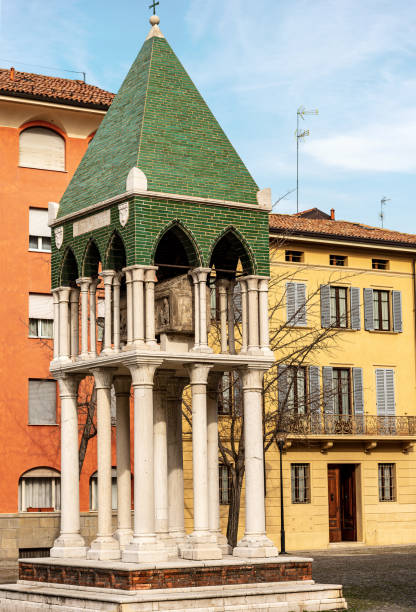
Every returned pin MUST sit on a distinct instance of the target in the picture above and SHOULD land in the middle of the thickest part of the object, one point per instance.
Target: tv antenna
(300, 136)
(383, 202)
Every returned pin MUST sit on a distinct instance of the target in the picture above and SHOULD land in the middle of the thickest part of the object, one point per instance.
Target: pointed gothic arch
(69, 269)
(91, 259)
(175, 251)
(115, 253)
(230, 248)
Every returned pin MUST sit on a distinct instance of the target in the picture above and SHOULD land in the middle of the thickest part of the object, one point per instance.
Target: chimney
(332, 214)
(12, 73)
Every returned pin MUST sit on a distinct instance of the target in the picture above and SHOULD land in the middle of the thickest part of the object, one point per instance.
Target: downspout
(414, 296)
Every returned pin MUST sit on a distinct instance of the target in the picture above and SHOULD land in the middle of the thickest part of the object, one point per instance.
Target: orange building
(46, 124)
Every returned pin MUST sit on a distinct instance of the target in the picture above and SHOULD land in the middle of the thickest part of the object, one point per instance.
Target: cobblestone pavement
(374, 579)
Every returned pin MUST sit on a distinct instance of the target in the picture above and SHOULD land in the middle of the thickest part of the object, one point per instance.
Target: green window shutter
(314, 389)
(357, 381)
(290, 303)
(396, 299)
(282, 386)
(355, 308)
(328, 390)
(368, 310)
(325, 306)
(301, 304)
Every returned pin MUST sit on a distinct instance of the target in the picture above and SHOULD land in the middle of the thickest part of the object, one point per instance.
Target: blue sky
(255, 63)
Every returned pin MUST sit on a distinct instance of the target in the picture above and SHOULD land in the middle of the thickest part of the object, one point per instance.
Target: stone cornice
(155, 194)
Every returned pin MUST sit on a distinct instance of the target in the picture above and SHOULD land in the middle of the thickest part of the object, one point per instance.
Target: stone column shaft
(116, 311)
(231, 317)
(201, 544)
(175, 460)
(222, 285)
(150, 280)
(264, 314)
(244, 316)
(69, 544)
(104, 547)
(84, 284)
(129, 297)
(64, 337)
(253, 314)
(74, 301)
(108, 276)
(124, 531)
(145, 546)
(93, 317)
(138, 305)
(56, 352)
(197, 341)
(254, 543)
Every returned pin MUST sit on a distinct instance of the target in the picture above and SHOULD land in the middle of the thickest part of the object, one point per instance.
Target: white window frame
(40, 248)
(39, 333)
(48, 474)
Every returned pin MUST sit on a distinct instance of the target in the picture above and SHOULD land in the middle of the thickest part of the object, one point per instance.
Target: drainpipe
(414, 293)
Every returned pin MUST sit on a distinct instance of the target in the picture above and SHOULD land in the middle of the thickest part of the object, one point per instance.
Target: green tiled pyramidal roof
(159, 123)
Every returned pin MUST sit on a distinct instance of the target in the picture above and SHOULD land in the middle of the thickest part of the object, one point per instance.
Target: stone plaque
(91, 223)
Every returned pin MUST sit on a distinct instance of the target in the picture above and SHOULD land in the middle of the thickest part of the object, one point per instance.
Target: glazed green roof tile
(160, 123)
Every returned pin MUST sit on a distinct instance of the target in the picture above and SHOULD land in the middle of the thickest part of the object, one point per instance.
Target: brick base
(166, 578)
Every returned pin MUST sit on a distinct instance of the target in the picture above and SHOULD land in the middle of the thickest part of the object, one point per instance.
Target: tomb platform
(71, 585)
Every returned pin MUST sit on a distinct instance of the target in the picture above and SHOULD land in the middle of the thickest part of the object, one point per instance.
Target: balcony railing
(335, 424)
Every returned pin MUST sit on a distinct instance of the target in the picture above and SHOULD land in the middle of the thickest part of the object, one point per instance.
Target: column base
(104, 549)
(69, 546)
(144, 550)
(123, 537)
(201, 548)
(169, 543)
(255, 547)
(201, 349)
(223, 543)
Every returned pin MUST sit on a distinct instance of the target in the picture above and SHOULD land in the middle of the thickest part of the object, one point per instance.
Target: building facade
(46, 124)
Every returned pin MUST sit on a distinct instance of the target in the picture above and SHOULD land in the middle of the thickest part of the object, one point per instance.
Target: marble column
(145, 546)
(214, 379)
(253, 315)
(74, 305)
(222, 284)
(264, 316)
(231, 316)
(138, 305)
(244, 316)
(70, 543)
(108, 276)
(84, 284)
(104, 547)
(160, 448)
(129, 300)
(197, 339)
(116, 311)
(200, 545)
(149, 282)
(64, 327)
(255, 543)
(93, 317)
(175, 461)
(124, 533)
(199, 277)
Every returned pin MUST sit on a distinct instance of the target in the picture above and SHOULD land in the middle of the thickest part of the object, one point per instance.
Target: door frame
(356, 488)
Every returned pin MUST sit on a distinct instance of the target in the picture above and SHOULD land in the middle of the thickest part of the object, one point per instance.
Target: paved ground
(374, 579)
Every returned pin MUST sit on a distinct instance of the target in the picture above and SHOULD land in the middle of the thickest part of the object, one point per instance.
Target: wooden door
(348, 509)
(334, 503)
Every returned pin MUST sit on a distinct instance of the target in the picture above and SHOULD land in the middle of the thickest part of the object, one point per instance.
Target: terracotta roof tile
(54, 89)
(344, 230)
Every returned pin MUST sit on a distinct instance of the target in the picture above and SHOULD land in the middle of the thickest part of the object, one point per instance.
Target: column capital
(117, 278)
(252, 377)
(122, 385)
(150, 274)
(264, 283)
(103, 377)
(68, 384)
(84, 282)
(199, 274)
(107, 276)
(198, 373)
(222, 284)
(142, 374)
(64, 293)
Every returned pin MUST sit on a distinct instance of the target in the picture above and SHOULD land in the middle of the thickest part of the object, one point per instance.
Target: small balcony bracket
(407, 447)
(326, 446)
(369, 447)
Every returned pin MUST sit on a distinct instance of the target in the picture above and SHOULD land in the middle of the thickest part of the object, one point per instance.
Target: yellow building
(349, 468)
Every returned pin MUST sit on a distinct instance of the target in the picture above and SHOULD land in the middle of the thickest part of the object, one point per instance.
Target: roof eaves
(55, 100)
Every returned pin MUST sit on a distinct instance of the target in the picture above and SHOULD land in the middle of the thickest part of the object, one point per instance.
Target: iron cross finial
(153, 6)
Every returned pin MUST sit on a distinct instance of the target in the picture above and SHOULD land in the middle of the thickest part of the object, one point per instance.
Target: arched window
(40, 147)
(40, 490)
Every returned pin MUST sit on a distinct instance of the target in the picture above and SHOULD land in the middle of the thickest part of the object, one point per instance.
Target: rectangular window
(294, 256)
(338, 307)
(296, 395)
(39, 231)
(337, 260)
(386, 482)
(225, 484)
(40, 315)
(381, 309)
(39, 494)
(380, 264)
(42, 402)
(300, 483)
(40, 328)
(341, 386)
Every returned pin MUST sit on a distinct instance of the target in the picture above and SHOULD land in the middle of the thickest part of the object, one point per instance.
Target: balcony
(331, 428)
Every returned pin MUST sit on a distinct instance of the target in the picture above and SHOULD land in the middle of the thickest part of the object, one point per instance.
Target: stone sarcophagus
(174, 311)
